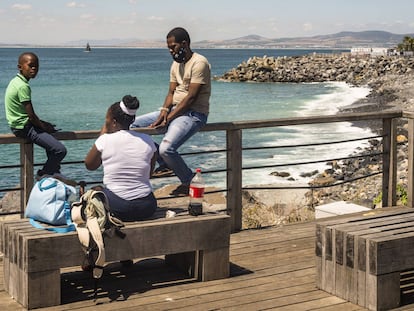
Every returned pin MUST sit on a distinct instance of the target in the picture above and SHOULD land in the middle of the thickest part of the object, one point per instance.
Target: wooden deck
(271, 269)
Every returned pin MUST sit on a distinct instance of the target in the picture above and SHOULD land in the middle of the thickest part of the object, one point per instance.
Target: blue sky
(60, 21)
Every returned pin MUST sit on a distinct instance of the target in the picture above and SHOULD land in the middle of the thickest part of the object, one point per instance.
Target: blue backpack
(50, 203)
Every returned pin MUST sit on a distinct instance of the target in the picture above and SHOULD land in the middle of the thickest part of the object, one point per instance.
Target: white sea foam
(342, 95)
(326, 104)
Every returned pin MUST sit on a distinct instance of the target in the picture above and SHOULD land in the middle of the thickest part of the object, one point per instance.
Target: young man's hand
(48, 127)
(161, 121)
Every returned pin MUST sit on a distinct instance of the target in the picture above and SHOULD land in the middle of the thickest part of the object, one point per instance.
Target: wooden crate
(359, 257)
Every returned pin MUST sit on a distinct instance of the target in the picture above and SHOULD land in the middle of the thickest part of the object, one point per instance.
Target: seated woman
(128, 159)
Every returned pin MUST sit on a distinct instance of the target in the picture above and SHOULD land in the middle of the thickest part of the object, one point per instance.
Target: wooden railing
(234, 148)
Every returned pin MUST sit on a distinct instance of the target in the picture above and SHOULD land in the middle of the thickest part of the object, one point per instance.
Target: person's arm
(167, 116)
(185, 104)
(162, 119)
(93, 159)
(34, 119)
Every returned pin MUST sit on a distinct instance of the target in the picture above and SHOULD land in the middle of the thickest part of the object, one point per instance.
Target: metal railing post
(234, 178)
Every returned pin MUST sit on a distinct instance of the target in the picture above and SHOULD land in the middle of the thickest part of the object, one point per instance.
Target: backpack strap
(90, 217)
(96, 234)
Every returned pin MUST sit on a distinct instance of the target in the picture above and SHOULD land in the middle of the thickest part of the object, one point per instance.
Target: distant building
(369, 51)
(374, 52)
(361, 51)
(395, 52)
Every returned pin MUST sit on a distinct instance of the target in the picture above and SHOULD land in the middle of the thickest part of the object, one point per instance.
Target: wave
(340, 94)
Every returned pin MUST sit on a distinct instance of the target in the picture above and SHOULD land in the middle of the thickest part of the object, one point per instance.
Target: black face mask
(179, 57)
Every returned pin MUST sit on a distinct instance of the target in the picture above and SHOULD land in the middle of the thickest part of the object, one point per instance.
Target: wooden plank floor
(271, 269)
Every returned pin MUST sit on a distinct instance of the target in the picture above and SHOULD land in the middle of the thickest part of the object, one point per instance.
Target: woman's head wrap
(126, 110)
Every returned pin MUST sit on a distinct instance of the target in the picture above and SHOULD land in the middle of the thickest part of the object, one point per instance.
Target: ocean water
(73, 90)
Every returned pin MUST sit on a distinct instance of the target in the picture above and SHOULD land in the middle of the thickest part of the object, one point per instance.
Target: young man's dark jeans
(55, 150)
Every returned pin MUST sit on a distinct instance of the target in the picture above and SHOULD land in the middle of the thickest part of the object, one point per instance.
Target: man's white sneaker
(65, 179)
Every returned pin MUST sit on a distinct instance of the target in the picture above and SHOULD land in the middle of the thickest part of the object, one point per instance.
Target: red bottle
(196, 194)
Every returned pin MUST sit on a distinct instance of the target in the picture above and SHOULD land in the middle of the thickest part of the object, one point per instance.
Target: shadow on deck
(271, 268)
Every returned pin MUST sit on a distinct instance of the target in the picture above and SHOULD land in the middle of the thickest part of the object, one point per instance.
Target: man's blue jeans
(178, 132)
(55, 150)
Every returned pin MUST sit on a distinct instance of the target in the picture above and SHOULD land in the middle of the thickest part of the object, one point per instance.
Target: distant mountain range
(341, 40)
(345, 39)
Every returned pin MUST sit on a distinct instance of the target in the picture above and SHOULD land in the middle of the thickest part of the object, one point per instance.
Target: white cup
(170, 214)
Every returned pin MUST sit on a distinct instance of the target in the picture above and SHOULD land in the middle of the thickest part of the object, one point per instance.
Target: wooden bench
(33, 258)
(362, 257)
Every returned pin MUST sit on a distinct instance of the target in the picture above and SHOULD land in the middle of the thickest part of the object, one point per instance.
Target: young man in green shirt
(24, 122)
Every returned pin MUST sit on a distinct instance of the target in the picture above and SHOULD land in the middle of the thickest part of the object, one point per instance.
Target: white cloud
(74, 4)
(122, 21)
(87, 16)
(19, 6)
(47, 20)
(307, 27)
(156, 18)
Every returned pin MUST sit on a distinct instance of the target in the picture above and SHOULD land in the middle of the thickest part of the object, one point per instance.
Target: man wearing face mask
(185, 107)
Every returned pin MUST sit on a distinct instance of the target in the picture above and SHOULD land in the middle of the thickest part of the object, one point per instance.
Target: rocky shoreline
(392, 87)
(355, 70)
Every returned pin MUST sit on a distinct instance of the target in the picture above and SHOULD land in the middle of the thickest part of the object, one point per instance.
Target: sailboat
(88, 47)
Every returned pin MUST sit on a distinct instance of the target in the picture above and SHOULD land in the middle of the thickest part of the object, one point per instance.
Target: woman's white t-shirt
(126, 161)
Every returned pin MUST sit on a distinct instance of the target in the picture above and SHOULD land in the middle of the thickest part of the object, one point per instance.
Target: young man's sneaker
(41, 174)
(181, 191)
(65, 179)
(162, 171)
